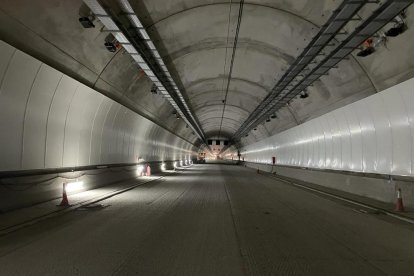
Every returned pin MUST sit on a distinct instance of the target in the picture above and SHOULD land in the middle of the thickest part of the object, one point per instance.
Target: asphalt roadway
(213, 220)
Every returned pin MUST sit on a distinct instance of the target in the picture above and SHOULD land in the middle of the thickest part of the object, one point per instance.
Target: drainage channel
(372, 209)
(86, 204)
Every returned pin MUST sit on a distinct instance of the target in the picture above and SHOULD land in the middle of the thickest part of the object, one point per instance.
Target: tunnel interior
(99, 95)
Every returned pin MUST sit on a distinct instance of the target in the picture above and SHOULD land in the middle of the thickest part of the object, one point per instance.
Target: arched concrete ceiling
(203, 53)
(192, 37)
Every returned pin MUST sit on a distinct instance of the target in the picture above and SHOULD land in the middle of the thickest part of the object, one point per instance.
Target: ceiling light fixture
(304, 95)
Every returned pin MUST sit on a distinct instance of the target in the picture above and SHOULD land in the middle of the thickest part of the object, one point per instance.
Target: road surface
(213, 220)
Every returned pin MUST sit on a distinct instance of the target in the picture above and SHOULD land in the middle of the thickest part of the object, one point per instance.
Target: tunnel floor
(212, 220)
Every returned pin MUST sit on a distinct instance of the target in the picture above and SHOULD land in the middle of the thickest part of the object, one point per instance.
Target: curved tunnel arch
(299, 17)
(245, 44)
(217, 42)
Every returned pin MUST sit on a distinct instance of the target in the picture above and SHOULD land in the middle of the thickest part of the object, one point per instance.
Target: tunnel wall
(373, 135)
(354, 148)
(49, 120)
(378, 187)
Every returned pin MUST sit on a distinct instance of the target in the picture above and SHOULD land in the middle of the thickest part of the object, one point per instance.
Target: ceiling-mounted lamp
(303, 95)
(86, 16)
(111, 44)
(273, 116)
(154, 89)
(255, 129)
(268, 120)
(398, 28)
(177, 116)
(367, 48)
(87, 21)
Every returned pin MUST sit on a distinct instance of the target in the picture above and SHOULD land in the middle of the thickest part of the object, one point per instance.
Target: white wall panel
(49, 120)
(354, 127)
(321, 145)
(97, 130)
(400, 131)
(126, 137)
(6, 54)
(56, 121)
(15, 88)
(373, 135)
(108, 141)
(336, 141)
(92, 104)
(382, 133)
(73, 125)
(119, 132)
(35, 124)
(407, 93)
(328, 142)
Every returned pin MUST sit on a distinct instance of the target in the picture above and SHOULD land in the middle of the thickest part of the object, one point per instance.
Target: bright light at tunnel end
(163, 167)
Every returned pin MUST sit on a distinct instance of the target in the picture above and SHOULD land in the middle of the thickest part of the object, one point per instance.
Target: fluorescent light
(74, 186)
(140, 169)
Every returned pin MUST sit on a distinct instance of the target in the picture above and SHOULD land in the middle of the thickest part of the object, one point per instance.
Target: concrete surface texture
(195, 39)
(212, 220)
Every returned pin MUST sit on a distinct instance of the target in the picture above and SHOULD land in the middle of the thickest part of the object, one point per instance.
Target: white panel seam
(410, 130)
(66, 120)
(362, 140)
(350, 140)
(7, 69)
(376, 139)
(102, 131)
(25, 113)
(390, 128)
(47, 118)
(93, 126)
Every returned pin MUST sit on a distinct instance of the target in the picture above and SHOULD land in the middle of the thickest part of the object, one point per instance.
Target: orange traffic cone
(148, 170)
(399, 206)
(65, 201)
